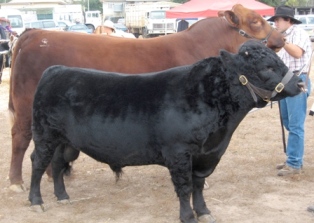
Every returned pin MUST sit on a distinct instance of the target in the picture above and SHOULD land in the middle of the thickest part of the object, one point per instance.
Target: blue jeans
(293, 113)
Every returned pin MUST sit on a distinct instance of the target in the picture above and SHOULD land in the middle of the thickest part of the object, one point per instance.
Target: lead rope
(282, 131)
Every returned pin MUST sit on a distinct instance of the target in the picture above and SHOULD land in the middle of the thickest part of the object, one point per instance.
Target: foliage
(180, 1)
(274, 3)
(296, 3)
(292, 3)
(93, 5)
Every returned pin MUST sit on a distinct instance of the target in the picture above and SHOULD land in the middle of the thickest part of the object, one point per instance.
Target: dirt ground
(243, 189)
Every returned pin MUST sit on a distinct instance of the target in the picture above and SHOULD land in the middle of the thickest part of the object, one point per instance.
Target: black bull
(182, 118)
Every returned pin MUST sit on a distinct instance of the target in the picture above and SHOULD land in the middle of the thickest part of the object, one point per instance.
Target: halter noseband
(266, 95)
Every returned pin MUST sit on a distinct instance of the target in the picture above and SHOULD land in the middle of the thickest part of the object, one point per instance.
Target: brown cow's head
(252, 25)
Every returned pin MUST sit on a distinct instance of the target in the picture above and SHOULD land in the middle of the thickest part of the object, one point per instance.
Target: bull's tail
(13, 44)
(10, 104)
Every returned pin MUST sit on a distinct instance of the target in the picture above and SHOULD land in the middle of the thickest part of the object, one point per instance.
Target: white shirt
(298, 36)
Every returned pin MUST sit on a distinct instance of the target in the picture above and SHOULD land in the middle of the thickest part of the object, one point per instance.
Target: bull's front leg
(203, 166)
(180, 168)
(199, 205)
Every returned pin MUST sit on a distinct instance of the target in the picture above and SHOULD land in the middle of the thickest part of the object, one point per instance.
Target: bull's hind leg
(60, 164)
(41, 157)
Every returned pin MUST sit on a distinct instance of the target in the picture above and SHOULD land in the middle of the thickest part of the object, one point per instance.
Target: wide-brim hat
(285, 11)
(109, 24)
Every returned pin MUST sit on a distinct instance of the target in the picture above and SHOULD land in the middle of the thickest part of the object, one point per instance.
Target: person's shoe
(310, 208)
(287, 170)
(280, 166)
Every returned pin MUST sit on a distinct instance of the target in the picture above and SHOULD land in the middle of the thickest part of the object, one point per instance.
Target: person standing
(296, 55)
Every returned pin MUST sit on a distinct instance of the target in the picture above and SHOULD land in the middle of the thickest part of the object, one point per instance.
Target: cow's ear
(221, 13)
(232, 18)
(227, 58)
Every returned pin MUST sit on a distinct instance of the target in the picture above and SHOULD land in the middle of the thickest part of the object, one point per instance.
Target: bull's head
(263, 72)
(252, 25)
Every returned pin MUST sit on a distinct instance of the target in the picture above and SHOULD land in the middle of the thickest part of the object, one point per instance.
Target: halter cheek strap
(266, 95)
(263, 40)
(246, 35)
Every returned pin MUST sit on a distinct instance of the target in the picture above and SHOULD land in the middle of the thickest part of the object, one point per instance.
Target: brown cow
(38, 49)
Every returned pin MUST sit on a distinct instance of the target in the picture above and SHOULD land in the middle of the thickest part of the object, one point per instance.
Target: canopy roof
(210, 8)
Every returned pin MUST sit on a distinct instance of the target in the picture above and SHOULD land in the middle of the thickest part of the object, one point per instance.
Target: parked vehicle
(64, 24)
(81, 28)
(93, 19)
(120, 26)
(15, 18)
(48, 24)
(149, 19)
(307, 24)
(307, 21)
(311, 35)
(121, 21)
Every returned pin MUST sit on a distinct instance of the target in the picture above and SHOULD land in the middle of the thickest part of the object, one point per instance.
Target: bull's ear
(227, 58)
(232, 18)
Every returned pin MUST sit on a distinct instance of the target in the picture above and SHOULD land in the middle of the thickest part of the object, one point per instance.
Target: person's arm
(293, 50)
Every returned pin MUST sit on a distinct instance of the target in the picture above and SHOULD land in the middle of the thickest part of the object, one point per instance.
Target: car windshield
(16, 21)
(78, 27)
(157, 15)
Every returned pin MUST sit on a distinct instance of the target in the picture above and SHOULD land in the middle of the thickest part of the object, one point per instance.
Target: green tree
(292, 3)
(93, 5)
(273, 3)
(180, 1)
(296, 3)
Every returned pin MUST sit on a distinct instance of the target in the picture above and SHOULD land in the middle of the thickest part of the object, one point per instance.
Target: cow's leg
(21, 137)
(41, 157)
(59, 165)
(180, 167)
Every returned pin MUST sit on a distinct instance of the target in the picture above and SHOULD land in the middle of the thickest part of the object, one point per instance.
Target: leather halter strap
(263, 40)
(266, 95)
(246, 35)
